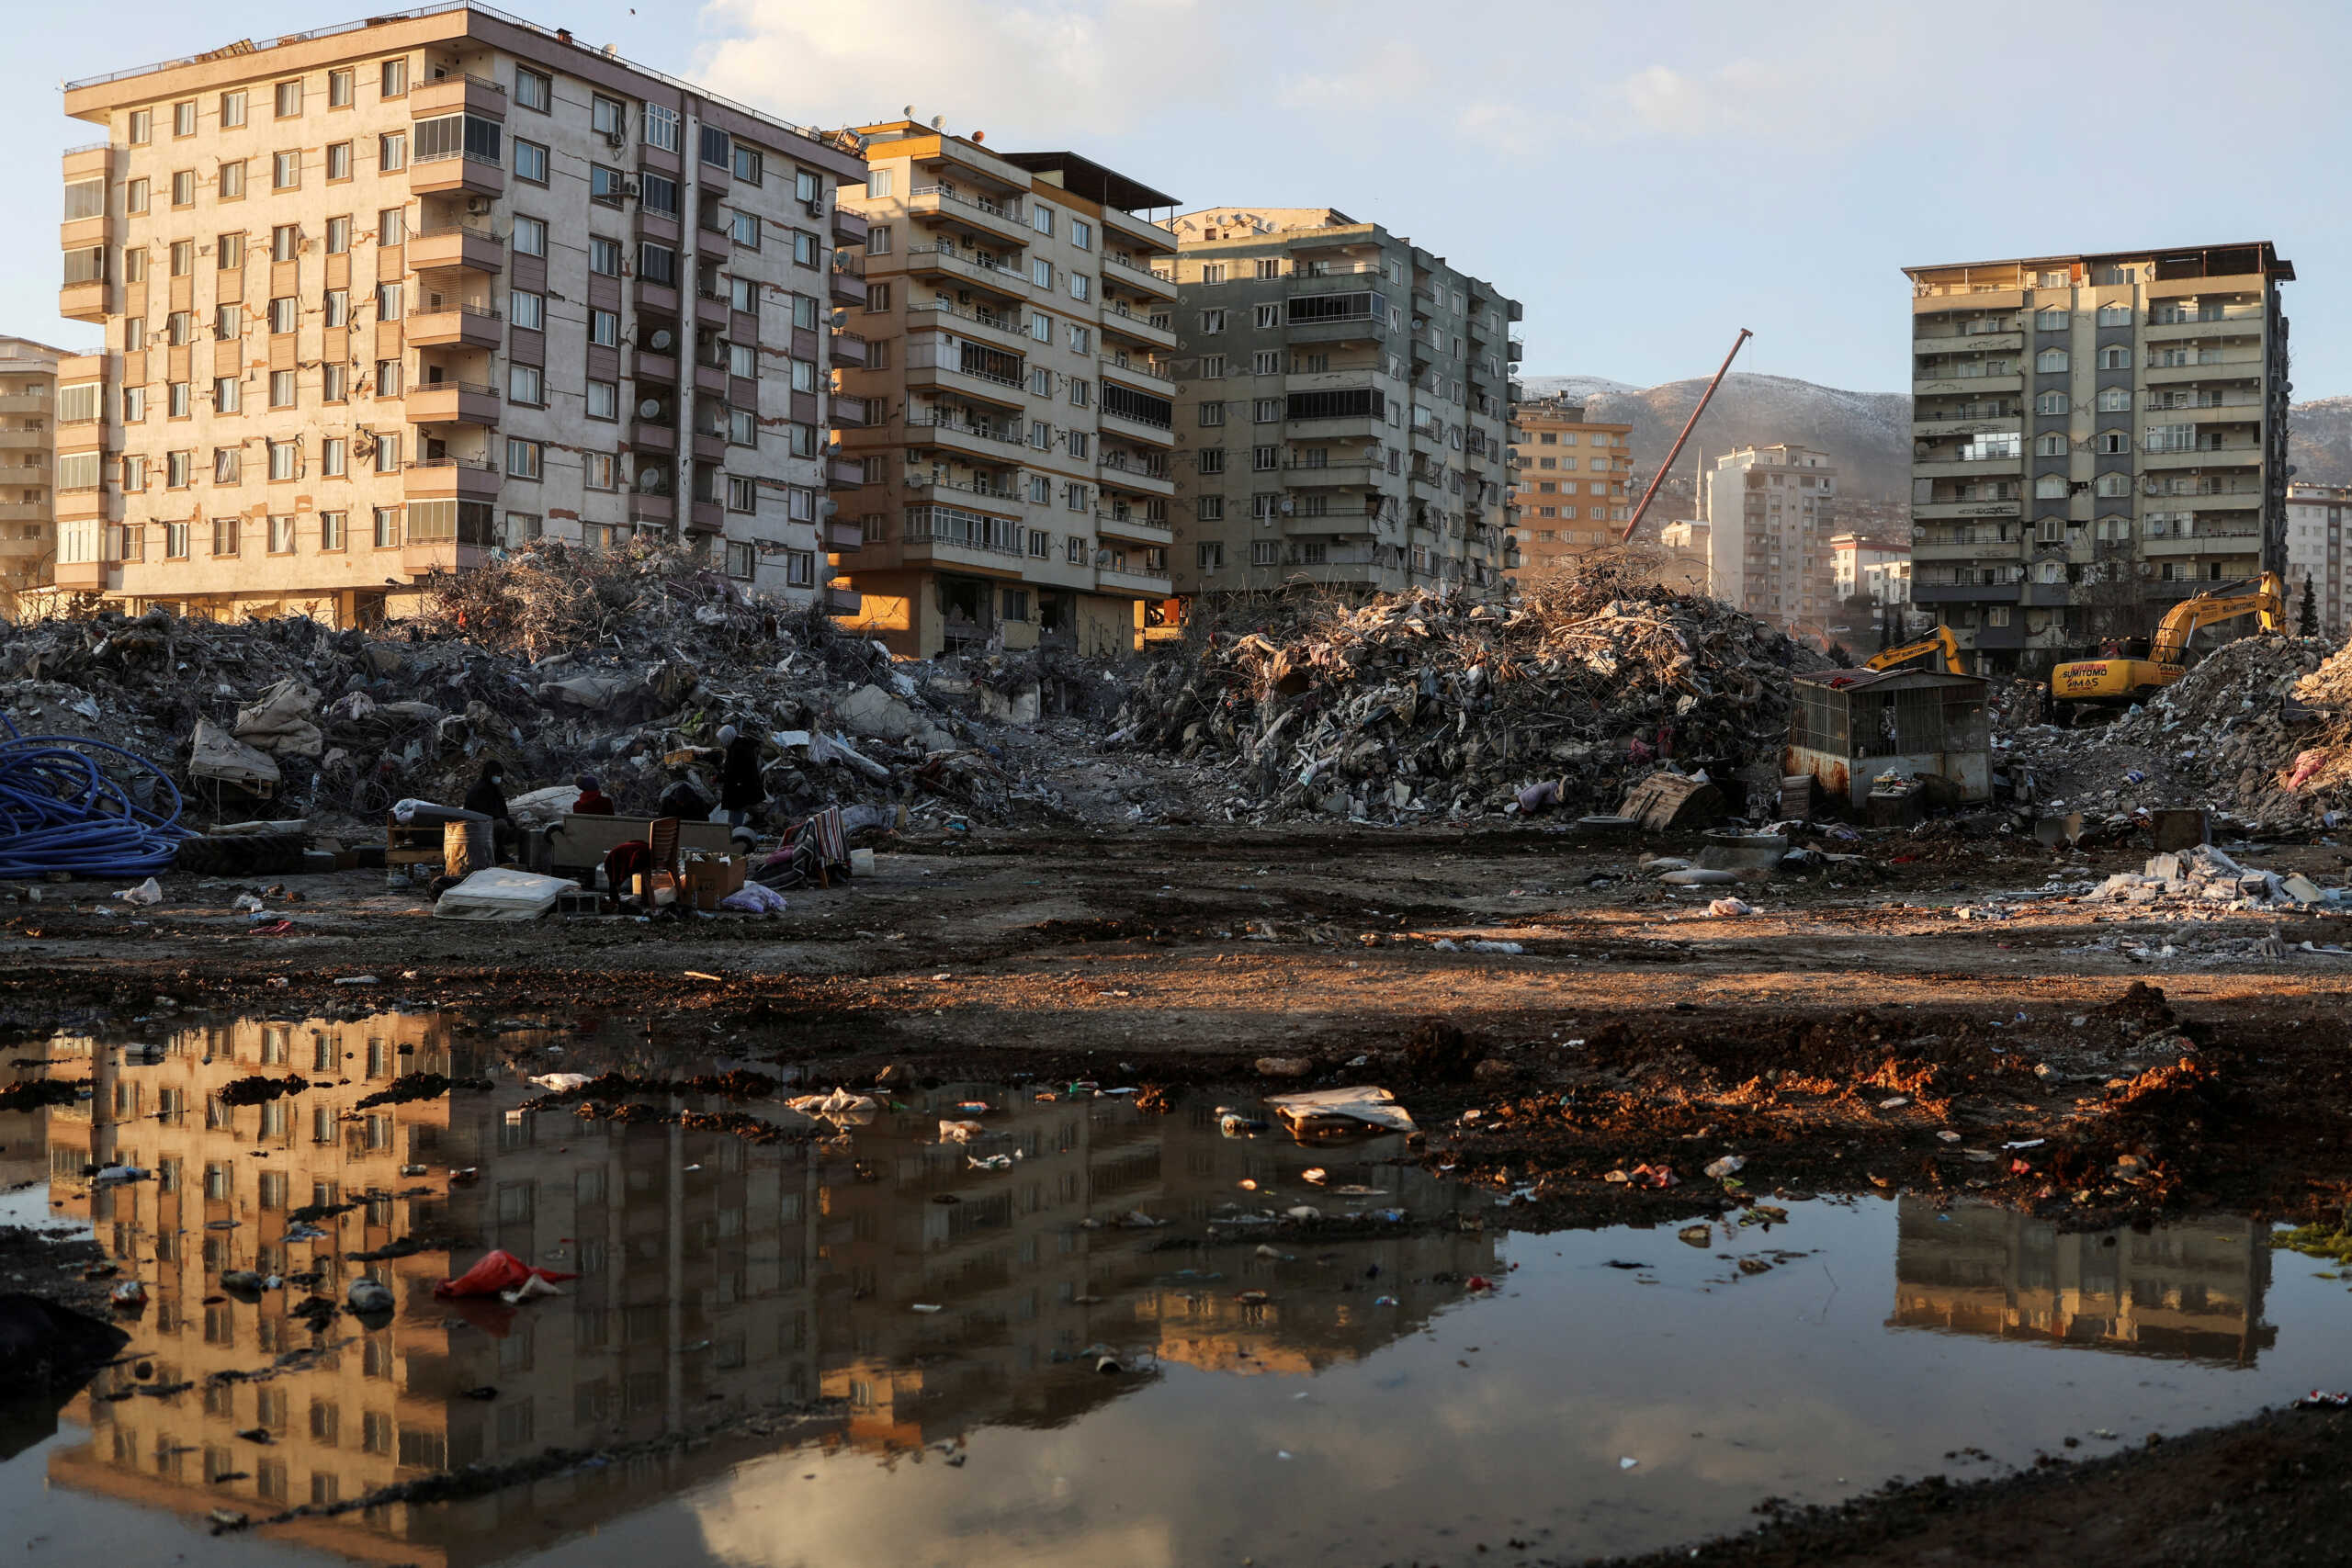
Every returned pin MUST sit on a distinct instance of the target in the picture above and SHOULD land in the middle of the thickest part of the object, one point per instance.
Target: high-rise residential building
(381, 298)
(1010, 467)
(1345, 405)
(1771, 512)
(28, 458)
(2095, 438)
(2316, 515)
(1867, 566)
(1569, 483)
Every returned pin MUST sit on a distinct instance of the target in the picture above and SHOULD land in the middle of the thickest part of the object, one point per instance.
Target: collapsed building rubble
(557, 661)
(1416, 706)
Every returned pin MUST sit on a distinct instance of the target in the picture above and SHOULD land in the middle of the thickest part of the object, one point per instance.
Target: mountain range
(1868, 434)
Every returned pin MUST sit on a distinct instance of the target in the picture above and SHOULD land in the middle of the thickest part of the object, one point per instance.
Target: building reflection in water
(2192, 1290)
(716, 1277)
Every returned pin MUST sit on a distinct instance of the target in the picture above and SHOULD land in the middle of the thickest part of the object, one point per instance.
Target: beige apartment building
(2095, 438)
(1007, 428)
(1771, 515)
(1345, 397)
(1569, 485)
(381, 298)
(2316, 529)
(27, 466)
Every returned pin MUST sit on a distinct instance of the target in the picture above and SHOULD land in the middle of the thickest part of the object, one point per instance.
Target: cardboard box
(711, 878)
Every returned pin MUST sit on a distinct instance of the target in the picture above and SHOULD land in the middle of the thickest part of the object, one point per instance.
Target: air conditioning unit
(477, 205)
(816, 208)
(613, 139)
(628, 190)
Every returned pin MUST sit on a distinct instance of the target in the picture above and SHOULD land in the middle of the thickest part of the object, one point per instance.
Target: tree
(2307, 617)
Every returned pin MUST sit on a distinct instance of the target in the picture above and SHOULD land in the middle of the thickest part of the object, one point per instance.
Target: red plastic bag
(496, 1273)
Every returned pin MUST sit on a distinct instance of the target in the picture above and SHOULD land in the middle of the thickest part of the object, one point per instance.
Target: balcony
(81, 577)
(849, 412)
(1119, 321)
(1004, 220)
(847, 286)
(844, 473)
(442, 479)
(1357, 329)
(2246, 326)
(2233, 542)
(84, 301)
(998, 328)
(1139, 231)
(954, 535)
(988, 443)
(992, 499)
(843, 535)
(1143, 586)
(26, 440)
(849, 350)
(1332, 476)
(1132, 528)
(850, 228)
(1133, 478)
(473, 326)
(453, 402)
(454, 246)
(1989, 549)
(1000, 392)
(1135, 275)
(27, 402)
(1965, 593)
(947, 261)
(1516, 352)
(1971, 343)
(1965, 467)
(2246, 412)
(422, 557)
(1929, 511)
(841, 599)
(2246, 456)
(1936, 425)
(654, 435)
(1980, 385)
(465, 174)
(2236, 366)
(457, 95)
(1138, 373)
(1135, 430)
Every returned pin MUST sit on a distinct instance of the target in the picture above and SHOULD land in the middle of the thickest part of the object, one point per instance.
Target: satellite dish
(938, 121)
(661, 342)
(908, 112)
(648, 409)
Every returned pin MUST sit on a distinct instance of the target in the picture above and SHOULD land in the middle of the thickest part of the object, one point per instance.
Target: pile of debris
(1414, 707)
(2228, 735)
(557, 662)
(2205, 875)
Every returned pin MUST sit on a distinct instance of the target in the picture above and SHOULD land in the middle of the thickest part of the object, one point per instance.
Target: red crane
(1667, 466)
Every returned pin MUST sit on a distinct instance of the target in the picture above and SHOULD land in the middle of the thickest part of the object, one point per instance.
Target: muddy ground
(1858, 1033)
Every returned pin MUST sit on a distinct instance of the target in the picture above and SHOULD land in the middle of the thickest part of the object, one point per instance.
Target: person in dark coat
(488, 797)
(739, 777)
(592, 802)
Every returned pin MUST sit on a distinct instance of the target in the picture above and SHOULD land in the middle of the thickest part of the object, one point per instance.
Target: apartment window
(1081, 391)
(609, 118)
(285, 170)
(230, 183)
(281, 543)
(526, 384)
(334, 530)
(742, 427)
(289, 99)
(183, 117)
(661, 128)
(2112, 485)
(1081, 286)
(134, 408)
(807, 185)
(1212, 414)
(227, 394)
(2050, 360)
(605, 256)
(134, 196)
(1041, 489)
(392, 79)
(334, 457)
(744, 226)
(1213, 322)
(388, 527)
(389, 299)
(1213, 272)
(2049, 319)
(522, 459)
(802, 439)
(1266, 362)
(1041, 272)
(657, 263)
(387, 452)
(806, 251)
(179, 471)
(1041, 327)
(2051, 403)
(1209, 555)
(2115, 356)
(1268, 317)
(176, 541)
(339, 89)
(391, 226)
(284, 312)
(2051, 445)
(1078, 444)
(1266, 410)
(1210, 460)
(597, 470)
(225, 539)
(285, 243)
(2114, 399)
(281, 389)
(1209, 508)
(878, 241)
(533, 89)
(604, 400)
(282, 459)
(2112, 442)
(183, 188)
(749, 166)
(1041, 382)
(336, 307)
(175, 400)
(338, 163)
(142, 126)
(530, 236)
(605, 328)
(338, 235)
(527, 310)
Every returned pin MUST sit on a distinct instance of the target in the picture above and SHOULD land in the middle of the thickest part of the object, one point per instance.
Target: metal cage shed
(1846, 727)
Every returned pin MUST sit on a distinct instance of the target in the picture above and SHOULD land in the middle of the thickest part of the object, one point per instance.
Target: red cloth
(497, 1271)
(592, 803)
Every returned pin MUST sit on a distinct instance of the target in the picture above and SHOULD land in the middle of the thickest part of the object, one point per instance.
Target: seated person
(593, 801)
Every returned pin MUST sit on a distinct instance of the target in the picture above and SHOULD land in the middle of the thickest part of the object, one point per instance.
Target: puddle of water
(1370, 1408)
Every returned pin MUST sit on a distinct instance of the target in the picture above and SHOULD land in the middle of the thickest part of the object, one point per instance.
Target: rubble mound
(1414, 706)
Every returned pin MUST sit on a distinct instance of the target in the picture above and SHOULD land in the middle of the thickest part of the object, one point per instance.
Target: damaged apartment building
(1345, 404)
(2095, 438)
(381, 298)
(1007, 412)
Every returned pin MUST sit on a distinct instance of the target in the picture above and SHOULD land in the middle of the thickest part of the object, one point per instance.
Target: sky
(1647, 179)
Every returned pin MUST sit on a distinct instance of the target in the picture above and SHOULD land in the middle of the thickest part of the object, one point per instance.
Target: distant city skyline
(1648, 180)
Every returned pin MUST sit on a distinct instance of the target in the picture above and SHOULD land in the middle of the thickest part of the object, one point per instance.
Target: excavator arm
(1941, 640)
(2182, 621)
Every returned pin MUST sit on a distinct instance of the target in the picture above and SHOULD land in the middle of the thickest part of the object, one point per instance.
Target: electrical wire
(59, 810)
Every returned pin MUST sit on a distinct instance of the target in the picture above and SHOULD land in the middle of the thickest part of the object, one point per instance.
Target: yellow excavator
(1939, 641)
(2125, 679)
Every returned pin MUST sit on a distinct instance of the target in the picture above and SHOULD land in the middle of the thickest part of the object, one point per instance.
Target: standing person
(488, 796)
(593, 801)
(738, 776)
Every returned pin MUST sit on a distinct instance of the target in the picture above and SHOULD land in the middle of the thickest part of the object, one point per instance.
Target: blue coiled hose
(59, 812)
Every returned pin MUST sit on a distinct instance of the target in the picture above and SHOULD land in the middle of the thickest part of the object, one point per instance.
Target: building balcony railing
(1003, 219)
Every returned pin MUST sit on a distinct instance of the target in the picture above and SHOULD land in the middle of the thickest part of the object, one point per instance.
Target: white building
(1771, 510)
(1865, 566)
(2315, 519)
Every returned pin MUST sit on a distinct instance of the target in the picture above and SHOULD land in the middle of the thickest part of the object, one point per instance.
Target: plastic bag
(497, 1273)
